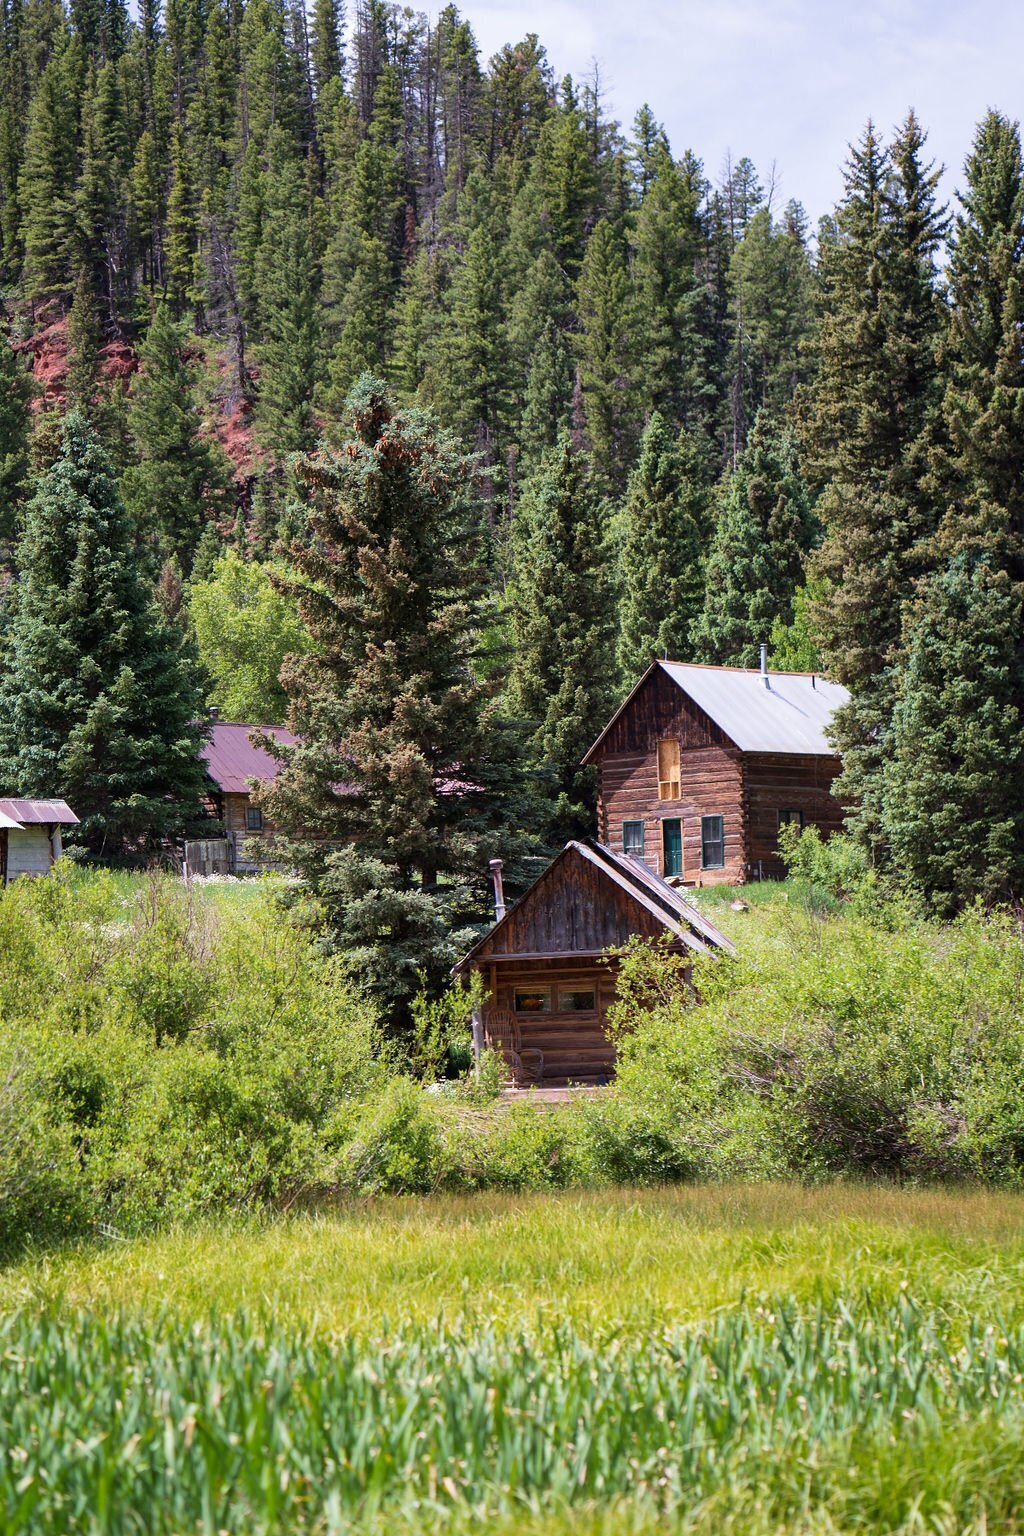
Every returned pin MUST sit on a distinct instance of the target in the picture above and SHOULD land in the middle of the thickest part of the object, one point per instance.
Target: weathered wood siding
(30, 852)
(711, 781)
(777, 783)
(575, 908)
(575, 1045)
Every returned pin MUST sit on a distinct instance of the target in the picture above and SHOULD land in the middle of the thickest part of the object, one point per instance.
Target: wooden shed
(549, 965)
(30, 836)
(701, 766)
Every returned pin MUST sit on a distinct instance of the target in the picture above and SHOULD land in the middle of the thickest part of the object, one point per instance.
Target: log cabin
(701, 766)
(234, 763)
(30, 836)
(549, 964)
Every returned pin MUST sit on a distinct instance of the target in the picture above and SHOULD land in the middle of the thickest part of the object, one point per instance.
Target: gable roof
(232, 760)
(789, 715)
(660, 901)
(19, 814)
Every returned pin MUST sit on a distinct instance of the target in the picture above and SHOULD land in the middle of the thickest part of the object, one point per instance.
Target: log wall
(711, 782)
(777, 782)
(576, 1046)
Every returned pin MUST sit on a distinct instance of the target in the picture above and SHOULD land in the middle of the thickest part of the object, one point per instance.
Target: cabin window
(253, 819)
(792, 818)
(533, 1000)
(712, 842)
(668, 769)
(633, 838)
(576, 1002)
(672, 846)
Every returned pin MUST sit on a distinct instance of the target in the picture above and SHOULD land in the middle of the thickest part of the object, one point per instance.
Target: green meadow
(734, 1358)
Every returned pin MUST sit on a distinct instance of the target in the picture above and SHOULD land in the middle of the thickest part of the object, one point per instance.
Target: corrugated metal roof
(36, 812)
(8, 824)
(790, 715)
(232, 760)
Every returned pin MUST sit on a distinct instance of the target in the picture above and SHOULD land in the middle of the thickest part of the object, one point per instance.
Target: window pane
(791, 818)
(712, 837)
(537, 1000)
(576, 1002)
(254, 818)
(633, 838)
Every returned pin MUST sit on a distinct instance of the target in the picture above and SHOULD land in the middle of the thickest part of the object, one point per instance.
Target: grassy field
(710, 1359)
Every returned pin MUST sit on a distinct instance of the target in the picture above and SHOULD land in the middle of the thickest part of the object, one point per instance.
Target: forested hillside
(670, 419)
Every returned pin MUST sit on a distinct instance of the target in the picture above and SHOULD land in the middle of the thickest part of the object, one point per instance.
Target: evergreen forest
(354, 380)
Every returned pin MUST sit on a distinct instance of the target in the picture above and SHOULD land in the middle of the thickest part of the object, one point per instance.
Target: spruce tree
(756, 559)
(954, 782)
(46, 185)
(85, 338)
(608, 354)
(98, 704)
(180, 480)
(663, 533)
(403, 776)
(954, 803)
(560, 603)
(15, 394)
(872, 408)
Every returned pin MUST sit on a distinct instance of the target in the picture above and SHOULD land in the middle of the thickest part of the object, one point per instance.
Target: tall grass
(237, 1427)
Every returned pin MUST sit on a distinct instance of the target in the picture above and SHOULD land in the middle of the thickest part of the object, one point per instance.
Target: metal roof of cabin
(787, 712)
(22, 813)
(664, 902)
(232, 761)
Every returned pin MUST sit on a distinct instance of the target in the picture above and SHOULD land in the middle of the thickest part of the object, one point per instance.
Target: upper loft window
(668, 769)
(712, 842)
(633, 838)
(253, 819)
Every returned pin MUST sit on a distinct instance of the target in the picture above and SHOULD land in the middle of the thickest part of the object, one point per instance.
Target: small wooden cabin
(30, 836)
(549, 966)
(234, 763)
(701, 766)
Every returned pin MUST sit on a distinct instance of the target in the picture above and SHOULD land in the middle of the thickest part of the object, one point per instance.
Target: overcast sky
(789, 81)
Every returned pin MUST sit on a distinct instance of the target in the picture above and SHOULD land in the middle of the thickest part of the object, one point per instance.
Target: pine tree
(98, 703)
(872, 406)
(180, 480)
(560, 603)
(954, 786)
(45, 186)
(954, 800)
(179, 254)
(85, 338)
(663, 537)
(756, 560)
(771, 290)
(672, 298)
(608, 354)
(403, 774)
(286, 283)
(15, 394)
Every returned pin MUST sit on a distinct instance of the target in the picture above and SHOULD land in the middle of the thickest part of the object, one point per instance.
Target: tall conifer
(98, 705)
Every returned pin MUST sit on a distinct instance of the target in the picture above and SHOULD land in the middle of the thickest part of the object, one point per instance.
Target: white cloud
(790, 81)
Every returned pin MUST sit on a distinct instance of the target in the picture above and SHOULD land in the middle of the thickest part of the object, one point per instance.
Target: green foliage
(15, 393)
(878, 1415)
(560, 605)
(179, 483)
(662, 533)
(184, 1064)
(389, 701)
(245, 628)
(954, 801)
(97, 699)
(757, 553)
